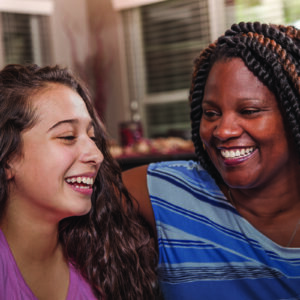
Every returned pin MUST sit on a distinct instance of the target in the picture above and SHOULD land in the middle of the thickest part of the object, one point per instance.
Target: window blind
(173, 32)
(169, 119)
(171, 35)
(26, 38)
(162, 41)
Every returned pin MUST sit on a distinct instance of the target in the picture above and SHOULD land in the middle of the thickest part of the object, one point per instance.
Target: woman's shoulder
(177, 164)
(140, 180)
(181, 171)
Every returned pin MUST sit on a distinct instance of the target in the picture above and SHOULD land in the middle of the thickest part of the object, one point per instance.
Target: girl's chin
(77, 212)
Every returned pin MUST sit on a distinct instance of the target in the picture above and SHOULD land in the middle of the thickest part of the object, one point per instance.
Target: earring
(204, 147)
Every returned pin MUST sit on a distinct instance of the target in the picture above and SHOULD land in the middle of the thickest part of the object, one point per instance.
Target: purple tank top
(13, 285)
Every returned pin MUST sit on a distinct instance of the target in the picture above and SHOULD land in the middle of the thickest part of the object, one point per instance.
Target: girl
(63, 232)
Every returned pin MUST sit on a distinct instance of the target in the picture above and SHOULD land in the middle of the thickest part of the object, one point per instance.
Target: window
(173, 32)
(26, 38)
(163, 40)
(268, 11)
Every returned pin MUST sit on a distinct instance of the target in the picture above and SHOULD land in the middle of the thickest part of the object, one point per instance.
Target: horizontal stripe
(202, 238)
(179, 275)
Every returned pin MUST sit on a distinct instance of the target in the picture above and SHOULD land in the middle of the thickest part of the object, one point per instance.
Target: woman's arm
(135, 181)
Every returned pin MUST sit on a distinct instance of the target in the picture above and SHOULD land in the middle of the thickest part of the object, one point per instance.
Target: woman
(63, 232)
(229, 227)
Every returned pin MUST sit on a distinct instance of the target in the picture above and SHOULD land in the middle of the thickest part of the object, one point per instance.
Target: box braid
(272, 53)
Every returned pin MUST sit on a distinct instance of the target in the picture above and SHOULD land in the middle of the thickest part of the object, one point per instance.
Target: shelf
(135, 161)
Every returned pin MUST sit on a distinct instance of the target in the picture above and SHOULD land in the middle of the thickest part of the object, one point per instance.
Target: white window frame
(38, 7)
(30, 7)
(126, 4)
(137, 67)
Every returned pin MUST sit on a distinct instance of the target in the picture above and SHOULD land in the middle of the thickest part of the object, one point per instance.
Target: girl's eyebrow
(69, 121)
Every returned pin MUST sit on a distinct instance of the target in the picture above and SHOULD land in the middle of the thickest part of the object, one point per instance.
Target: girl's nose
(91, 153)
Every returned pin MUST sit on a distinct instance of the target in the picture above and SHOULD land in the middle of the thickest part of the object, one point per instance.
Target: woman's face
(242, 127)
(53, 177)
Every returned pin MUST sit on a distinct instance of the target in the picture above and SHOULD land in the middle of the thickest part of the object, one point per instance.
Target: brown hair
(109, 246)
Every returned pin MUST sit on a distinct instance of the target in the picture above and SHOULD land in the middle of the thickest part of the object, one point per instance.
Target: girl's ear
(11, 166)
(9, 172)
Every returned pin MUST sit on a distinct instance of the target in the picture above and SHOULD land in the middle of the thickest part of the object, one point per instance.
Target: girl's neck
(31, 241)
(36, 249)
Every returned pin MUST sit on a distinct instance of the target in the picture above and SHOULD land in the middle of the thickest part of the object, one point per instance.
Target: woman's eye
(93, 138)
(210, 113)
(250, 111)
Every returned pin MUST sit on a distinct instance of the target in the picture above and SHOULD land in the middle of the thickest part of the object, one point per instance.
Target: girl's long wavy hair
(109, 246)
(272, 53)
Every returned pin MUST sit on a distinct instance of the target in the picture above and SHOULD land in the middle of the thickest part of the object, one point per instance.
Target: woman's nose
(227, 127)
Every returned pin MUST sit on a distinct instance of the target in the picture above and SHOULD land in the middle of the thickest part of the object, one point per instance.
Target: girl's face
(242, 128)
(53, 177)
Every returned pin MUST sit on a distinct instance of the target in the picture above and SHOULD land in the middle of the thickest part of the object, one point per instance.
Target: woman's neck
(274, 211)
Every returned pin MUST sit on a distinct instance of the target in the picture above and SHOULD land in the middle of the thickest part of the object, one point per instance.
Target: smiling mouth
(238, 153)
(81, 182)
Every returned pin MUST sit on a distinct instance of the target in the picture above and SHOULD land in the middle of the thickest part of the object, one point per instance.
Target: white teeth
(237, 153)
(86, 180)
(82, 187)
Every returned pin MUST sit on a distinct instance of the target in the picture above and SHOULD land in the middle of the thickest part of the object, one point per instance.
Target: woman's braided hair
(272, 53)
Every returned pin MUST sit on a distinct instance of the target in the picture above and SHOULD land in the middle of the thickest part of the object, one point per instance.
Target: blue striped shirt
(207, 250)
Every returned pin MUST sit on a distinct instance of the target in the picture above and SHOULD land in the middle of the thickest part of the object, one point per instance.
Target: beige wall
(86, 38)
(70, 29)
(106, 37)
(90, 31)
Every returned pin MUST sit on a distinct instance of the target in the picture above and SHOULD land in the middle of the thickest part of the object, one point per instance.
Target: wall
(71, 32)
(86, 38)
(106, 40)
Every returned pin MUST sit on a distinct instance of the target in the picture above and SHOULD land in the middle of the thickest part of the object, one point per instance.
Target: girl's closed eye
(67, 138)
(91, 134)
